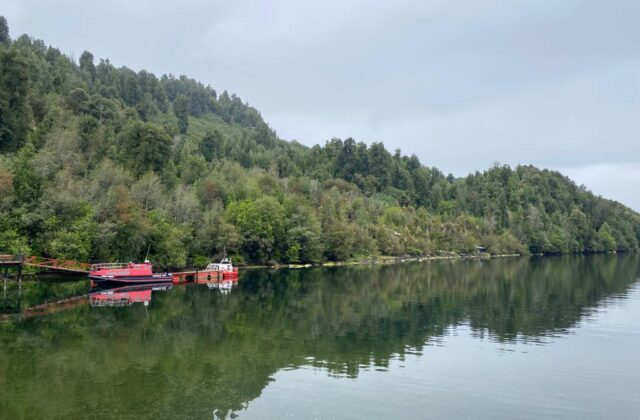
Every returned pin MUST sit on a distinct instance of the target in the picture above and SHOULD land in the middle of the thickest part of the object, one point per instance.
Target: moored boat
(127, 273)
(225, 267)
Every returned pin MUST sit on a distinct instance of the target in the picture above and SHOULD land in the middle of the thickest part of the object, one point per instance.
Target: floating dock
(197, 277)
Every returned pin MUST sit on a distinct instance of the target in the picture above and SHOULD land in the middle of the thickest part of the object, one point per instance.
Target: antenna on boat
(146, 258)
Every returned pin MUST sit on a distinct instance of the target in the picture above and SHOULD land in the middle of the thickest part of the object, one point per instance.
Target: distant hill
(105, 163)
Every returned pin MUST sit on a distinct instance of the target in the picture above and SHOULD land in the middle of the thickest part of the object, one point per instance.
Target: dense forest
(99, 163)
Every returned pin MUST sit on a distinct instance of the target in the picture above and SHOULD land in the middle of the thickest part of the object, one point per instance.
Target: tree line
(100, 163)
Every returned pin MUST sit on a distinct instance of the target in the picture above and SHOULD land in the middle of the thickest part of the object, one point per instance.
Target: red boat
(128, 273)
(229, 272)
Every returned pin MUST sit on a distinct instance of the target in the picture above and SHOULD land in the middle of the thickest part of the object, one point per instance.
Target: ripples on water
(513, 338)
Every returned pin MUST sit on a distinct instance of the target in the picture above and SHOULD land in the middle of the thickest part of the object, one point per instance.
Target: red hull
(155, 278)
(126, 274)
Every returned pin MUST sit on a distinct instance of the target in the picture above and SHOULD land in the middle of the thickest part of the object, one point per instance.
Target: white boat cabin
(225, 266)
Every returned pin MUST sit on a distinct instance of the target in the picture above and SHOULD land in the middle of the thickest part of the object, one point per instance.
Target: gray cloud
(460, 83)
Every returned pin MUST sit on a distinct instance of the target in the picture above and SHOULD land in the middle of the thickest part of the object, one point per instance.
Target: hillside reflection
(196, 352)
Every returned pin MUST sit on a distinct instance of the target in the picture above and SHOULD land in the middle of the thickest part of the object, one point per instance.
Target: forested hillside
(105, 163)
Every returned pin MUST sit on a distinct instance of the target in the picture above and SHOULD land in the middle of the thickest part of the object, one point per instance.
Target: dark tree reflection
(198, 352)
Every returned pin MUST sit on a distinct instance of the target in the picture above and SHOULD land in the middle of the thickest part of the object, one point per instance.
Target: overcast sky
(462, 84)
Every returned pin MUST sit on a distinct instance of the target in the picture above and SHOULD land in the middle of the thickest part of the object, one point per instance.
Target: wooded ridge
(105, 163)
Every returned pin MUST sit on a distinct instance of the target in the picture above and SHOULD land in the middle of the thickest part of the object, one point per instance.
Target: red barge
(127, 273)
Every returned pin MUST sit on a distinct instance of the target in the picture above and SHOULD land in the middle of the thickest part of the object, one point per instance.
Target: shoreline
(385, 260)
(389, 260)
(381, 260)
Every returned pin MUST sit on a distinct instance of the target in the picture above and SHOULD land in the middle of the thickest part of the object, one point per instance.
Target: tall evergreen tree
(15, 113)
(181, 111)
(211, 145)
(87, 66)
(5, 39)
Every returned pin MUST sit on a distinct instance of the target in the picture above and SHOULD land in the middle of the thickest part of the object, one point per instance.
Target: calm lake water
(523, 338)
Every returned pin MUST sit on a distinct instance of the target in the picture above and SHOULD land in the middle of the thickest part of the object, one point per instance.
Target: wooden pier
(11, 260)
(56, 264)
(11, 271)
(11, 266)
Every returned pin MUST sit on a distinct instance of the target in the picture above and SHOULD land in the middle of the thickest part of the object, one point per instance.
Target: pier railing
(57, 264)
(106, 266)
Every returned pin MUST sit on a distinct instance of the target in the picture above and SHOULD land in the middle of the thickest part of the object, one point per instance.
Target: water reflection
(200, 352)
(224, 286)
(126, 295)
(119, 296)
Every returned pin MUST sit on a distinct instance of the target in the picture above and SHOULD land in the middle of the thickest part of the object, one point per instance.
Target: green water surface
(530, 338)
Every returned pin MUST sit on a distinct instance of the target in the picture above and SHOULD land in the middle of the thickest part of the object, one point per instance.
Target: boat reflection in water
(141, 293)
(223, 286)
(126, 295)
